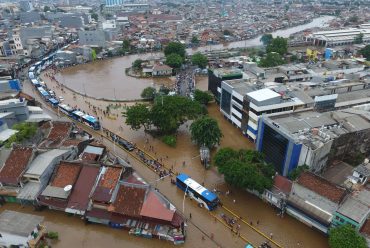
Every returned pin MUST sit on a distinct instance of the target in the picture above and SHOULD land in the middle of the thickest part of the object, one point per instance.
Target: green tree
(359, 38)
(224, 155)
(346, 236)
(245, 169)
(149, 93)
(46, 8)
(271, 59)
(227, 32)
(195, 40)
(93, 54)
(266, 39)
(175, 47)
(203, 97)
(366, 52)
(126, 45)
(174, 60)
(138, 116)
(206, 132)
(169, 112)
(95, 16)
(295, 173)
(353, 18)
(278, 45)
(136, 65)
(199, 60)
(25, 131)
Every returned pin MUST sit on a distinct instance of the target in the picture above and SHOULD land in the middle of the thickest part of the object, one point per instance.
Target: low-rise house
(92, 153)
(361, 173)
(313, 200)
(80, 197)
(162, 70)
(58, 133)
(39, 172)
(354, 211)
(56, 194)
(11, 173)
(20, 230)
(278, 194)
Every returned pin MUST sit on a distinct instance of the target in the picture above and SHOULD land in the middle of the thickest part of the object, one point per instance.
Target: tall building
(113, 2)
(25, 6)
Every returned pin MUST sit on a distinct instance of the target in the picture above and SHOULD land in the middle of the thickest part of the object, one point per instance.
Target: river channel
(107, 78)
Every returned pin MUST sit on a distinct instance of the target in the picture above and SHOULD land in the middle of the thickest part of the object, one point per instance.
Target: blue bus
(196, 191)
(86, 119)
(64, 108)
(43, 92)
(91, 121)
(54, 102)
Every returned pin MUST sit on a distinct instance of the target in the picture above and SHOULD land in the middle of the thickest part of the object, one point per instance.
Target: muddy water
(287, 231)
(107, 78)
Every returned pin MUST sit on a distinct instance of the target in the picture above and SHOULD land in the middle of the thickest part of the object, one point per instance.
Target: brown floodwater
(107, 78)
(287, 231)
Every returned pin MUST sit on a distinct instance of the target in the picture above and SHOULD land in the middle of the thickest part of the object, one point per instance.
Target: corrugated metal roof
(42, 161)
(56, 192)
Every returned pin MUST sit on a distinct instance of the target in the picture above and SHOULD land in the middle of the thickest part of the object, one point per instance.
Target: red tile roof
(89, 156)
(154, 208)
(58, 132)
(110, 177)
(129, 201)
(365, 229)
(80, 195)
(66, 174)
(322, 186)
(106, 185)
(15, 165)
(99, 213)
(283, 184)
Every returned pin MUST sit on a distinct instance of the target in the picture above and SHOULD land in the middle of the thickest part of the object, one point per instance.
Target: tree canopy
(148, 93)
(227, 32)
(195, 39)
(175, 47)
(359, 38)
(46, 8)
(366, 52)
(126, 45)
(295, 173)
(206, 132)
(25, 130)
(95, 16)
(203, 97)
(245, 169)
(266, 39)
(174, 60)
(271, 59)
(346, 236)
(199, 60)
(138, 116)
(278, 45)
(136, 65)
(166, 114)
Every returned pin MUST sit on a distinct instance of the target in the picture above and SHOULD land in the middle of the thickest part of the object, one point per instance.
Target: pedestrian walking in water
(271, 235)
(190, 215)
(258, 222)
(234, 201)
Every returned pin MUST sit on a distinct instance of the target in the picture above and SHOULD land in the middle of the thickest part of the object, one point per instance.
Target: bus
(196, 191)
(43, 92)
(91, 121)
(54, 102)
(64, 108)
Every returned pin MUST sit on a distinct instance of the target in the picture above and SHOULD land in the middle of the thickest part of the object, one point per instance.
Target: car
(127, 145)
(61, 99)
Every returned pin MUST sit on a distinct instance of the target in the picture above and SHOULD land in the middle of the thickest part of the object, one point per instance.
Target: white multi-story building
(339, 37)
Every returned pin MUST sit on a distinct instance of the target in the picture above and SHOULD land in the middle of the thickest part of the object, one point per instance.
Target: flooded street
(287, 231)
(107, 78)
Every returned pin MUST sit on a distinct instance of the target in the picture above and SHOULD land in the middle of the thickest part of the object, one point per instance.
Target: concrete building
(338, 37)
(354, 210)
(161, 70)
(313, 200)
(92, 38)
(72, 21)
(40, 32)
(25, 5)
(216, 76)
(295, 73)
(30, 17)
(313, 138)
(19, 229)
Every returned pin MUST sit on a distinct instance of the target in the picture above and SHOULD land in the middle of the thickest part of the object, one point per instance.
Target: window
(225, 101)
